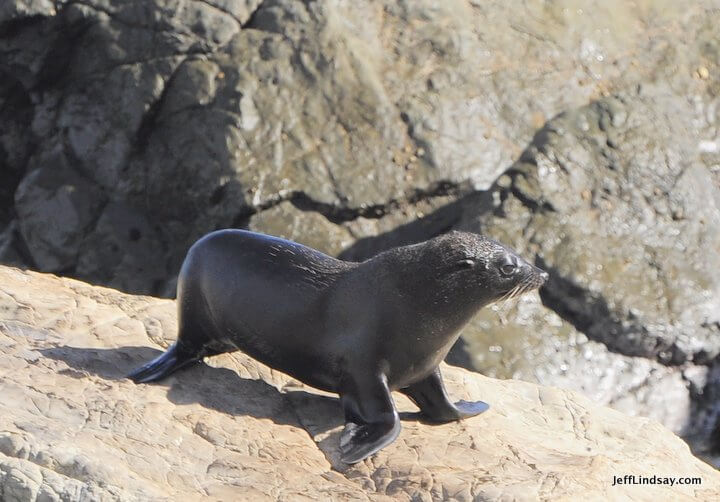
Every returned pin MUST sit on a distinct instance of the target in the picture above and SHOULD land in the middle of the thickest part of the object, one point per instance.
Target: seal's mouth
(518, 290)
(530, 283)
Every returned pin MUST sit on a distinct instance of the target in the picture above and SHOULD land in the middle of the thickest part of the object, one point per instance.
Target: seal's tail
(160, 367)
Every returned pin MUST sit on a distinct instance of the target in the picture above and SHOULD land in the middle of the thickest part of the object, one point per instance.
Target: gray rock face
(123, 251)
(616, 202)
(55, 208)
(528, 342)
(628, 222)
(200, 114)
(308, 227)
(128, 130)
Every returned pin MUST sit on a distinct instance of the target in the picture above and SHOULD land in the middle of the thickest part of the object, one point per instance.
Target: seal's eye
(507, 269)
(466, 263)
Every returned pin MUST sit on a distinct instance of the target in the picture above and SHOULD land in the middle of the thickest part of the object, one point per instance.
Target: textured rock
(528, 342)
(627, 221)
(55, 208)
(127, 130)
(306, 227)
(10, 245)
(25, 8)
(124, 250)
(73, 429)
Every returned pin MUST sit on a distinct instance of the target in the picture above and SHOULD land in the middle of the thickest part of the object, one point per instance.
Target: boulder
(627, 222)
(55, 208)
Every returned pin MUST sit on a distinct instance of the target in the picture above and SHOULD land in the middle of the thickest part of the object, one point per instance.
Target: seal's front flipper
(430, 396)
(360, 441)
(471, 408)
(371, 421)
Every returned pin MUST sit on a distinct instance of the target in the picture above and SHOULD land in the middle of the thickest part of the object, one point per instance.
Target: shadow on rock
(219, 389)
(106, 363)
(442, 220)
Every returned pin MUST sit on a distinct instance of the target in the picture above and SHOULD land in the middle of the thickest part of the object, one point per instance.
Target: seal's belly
(282, 327)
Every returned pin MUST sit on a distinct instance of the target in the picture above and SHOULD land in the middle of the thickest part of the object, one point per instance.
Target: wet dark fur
(358, 329)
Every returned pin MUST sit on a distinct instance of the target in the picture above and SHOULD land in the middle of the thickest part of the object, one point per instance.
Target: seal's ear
(466, 263)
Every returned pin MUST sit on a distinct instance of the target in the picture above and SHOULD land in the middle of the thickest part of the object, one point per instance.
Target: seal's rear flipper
(371, 421)
(430, 396)
(162, 366)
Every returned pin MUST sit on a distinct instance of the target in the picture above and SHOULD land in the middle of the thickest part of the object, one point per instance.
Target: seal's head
(486, 269)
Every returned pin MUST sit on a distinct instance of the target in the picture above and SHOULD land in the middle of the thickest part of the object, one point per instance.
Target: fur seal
(360, 330)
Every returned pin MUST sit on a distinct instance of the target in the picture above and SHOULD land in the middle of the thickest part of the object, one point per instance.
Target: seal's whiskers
(510, 294)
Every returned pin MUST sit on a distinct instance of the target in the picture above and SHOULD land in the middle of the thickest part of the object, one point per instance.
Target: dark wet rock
(13, 251)
(56, 207)
(411, 221)
(526, 341)
(15, 142)
(123, 251)
(613, 200)
(306, 227)
(703, 428)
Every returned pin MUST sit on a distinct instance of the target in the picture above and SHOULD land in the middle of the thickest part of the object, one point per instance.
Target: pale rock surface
(72, 428)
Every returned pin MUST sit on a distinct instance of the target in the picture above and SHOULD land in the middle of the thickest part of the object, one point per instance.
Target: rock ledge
(71, 428)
